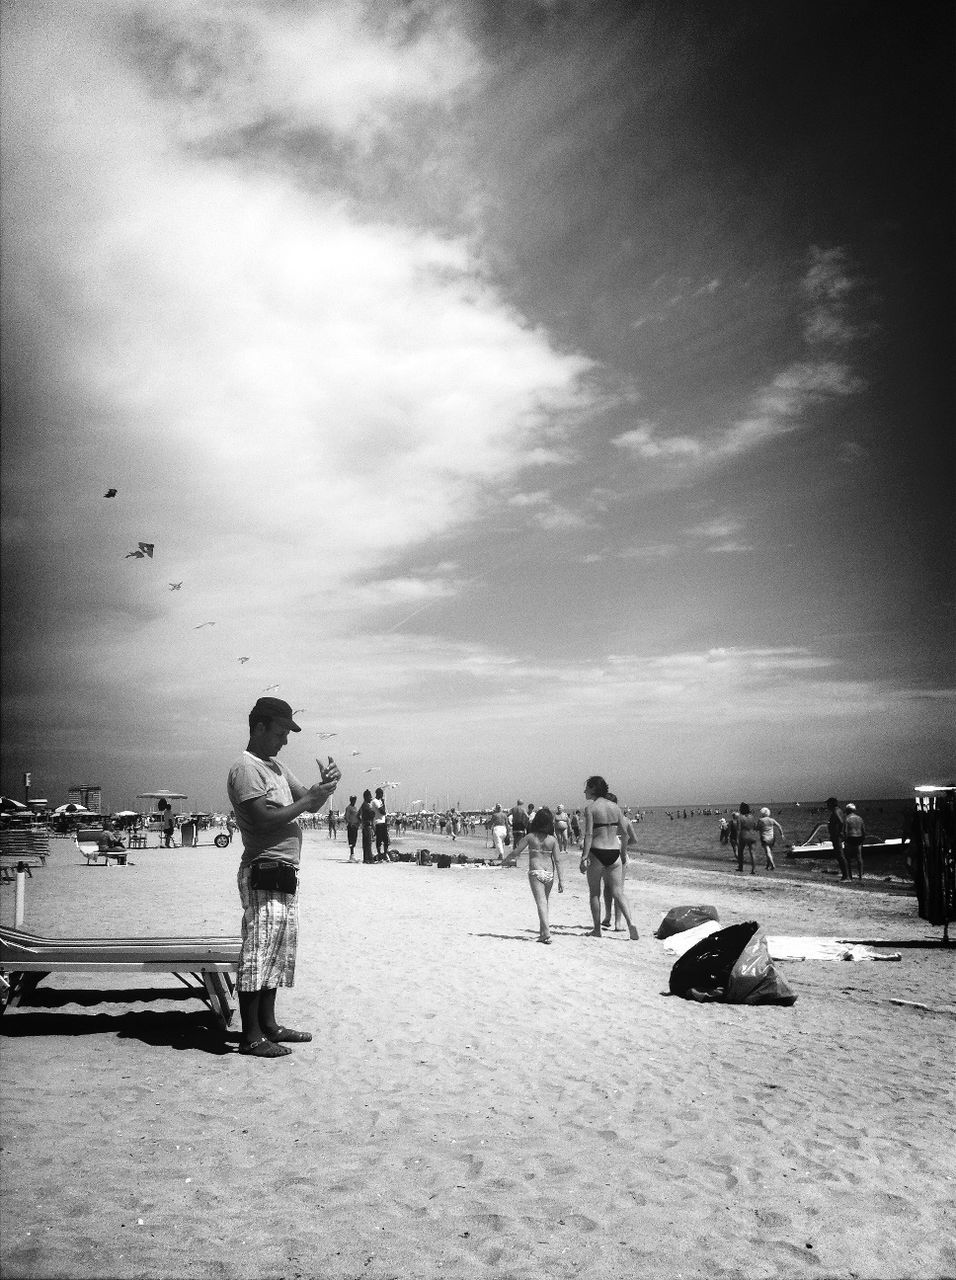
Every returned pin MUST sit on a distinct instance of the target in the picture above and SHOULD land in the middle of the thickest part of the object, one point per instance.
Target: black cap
(267, 709)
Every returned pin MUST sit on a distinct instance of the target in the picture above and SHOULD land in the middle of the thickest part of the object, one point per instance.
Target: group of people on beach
(267, 800)
(544, 835)
(744, 830)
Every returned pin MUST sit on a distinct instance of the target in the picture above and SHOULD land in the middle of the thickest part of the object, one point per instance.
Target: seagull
(174, 586)
(269, 688)
(242, 659)
(326, 735)
(110, 493)
(375, 768)
(203, 624)
(298, 711)
(145, 549)
(355, 753)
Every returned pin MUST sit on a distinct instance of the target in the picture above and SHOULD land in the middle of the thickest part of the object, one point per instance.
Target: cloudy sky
(524, 390)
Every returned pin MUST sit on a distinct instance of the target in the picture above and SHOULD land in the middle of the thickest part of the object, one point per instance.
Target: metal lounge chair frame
(27, 958)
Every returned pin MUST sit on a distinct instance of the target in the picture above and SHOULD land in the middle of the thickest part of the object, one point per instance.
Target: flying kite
(203, 624)
(110, 493)
(174, 586)
(242, 659)
(145, 549)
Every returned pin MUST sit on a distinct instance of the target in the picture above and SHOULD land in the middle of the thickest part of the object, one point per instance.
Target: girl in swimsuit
(543, 862)
(605, 844)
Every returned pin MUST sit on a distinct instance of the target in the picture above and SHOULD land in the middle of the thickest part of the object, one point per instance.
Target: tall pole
(26, 789)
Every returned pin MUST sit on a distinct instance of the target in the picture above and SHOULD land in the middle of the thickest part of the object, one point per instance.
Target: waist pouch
(280, 877)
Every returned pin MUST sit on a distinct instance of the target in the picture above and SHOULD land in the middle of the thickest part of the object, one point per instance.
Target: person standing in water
(747, 835)
(768, 836)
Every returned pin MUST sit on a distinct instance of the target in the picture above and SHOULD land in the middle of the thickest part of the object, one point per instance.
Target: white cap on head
(851, 807)
(765, 813)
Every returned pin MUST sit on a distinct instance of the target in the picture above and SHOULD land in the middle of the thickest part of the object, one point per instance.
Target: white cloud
(645, 441)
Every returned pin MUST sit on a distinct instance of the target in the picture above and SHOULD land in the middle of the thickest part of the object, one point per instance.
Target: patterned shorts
(270, 930)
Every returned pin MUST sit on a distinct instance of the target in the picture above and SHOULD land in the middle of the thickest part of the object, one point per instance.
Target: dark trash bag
(679, 919)
(732, 965)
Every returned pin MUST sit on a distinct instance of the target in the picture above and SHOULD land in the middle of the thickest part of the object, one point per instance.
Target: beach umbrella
(126, 813)
(72, 808)
(8, 804)
(161, 795)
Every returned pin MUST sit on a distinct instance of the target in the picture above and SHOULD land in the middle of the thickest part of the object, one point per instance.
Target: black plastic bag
(678, 919)
(732, 965)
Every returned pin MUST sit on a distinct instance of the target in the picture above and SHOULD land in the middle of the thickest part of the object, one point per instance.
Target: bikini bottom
(606, 857)
(545, 877)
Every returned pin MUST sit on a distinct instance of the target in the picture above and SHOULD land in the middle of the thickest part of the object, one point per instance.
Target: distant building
(88, 794)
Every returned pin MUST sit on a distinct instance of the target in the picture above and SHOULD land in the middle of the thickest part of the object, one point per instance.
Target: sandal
(282, 1034)
(263, 1048)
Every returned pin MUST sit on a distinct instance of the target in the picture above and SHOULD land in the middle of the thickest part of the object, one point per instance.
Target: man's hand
(319, 793)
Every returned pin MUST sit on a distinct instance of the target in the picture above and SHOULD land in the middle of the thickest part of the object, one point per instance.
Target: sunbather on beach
(543, 865)
(605, 845)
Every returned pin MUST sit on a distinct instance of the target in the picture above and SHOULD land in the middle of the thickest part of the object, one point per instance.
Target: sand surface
(474, 1104)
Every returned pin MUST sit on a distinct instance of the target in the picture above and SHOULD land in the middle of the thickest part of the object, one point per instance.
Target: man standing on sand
(267, 799)
(854, 833)
(835, 826)
(519, 822)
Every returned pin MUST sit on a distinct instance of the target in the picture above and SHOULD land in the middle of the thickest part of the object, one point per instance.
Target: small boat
(820, 845)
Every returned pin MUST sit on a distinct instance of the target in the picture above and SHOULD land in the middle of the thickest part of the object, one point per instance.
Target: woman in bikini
(605, 842)
(543, 862)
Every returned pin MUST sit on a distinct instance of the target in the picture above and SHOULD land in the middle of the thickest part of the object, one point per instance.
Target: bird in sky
(355, 753)
(145, 549)
(298, 711)
(241, 660)
(174, 586)
(326, 735)
(203, 624)
(110, 493)
(374, 768)
(269, 688)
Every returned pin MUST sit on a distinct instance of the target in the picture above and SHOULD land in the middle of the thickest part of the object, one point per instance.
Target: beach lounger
(27, 958)
(88, 843)
(26, 846)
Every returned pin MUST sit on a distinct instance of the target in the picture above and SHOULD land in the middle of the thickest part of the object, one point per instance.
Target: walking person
(747, 836)
(733, 835)
(333, 821)
(608, 895)
(854, 833)
(543, 864)
(367, 814)
(768, 836)
(267, 800)
(562, 828)
(352, 824)
(835, 826)
(518, 822)
(499, 830)
(605, 844)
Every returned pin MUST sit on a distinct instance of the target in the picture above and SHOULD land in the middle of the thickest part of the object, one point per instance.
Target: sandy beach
(474, 1104)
